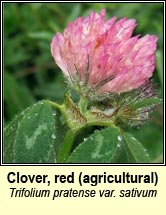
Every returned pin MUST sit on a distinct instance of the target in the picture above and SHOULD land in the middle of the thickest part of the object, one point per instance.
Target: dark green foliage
(30, 137)
(109, 146)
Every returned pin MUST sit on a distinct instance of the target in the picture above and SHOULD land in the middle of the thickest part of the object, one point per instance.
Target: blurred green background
(30, 73)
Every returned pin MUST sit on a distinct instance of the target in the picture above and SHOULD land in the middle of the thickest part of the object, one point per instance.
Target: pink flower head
(103, 55)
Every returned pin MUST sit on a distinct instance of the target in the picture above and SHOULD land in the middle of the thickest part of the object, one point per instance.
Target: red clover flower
(103, 56)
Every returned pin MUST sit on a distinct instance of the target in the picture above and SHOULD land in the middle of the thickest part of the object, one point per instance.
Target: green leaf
(60, 131)
(9, 137)
(109, 145)
(152, 138)
(138, 151)
(146, 102)
(159, 64)
(100, 147)
(32, 136)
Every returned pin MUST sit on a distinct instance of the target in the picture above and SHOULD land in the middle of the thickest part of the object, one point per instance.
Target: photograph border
(78, 164)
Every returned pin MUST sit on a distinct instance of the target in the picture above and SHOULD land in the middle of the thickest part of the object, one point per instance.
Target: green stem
(100, 123)
(83, 104)
(66, 146)
(55, 105)
(69, 110)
